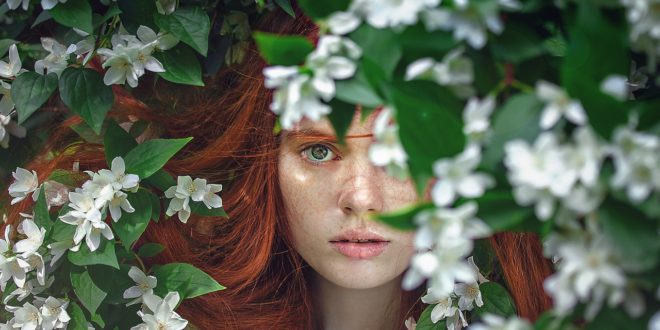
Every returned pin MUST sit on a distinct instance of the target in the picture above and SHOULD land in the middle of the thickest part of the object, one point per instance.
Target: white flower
(469, 293)
(25, 183)
(455, 71)
(13, 267)
(586, 156)
(13, 4)
(57, 60)
(341, 23)
(558, 104)
(456, 177)
(636, 159)
(387, 150)
(443, 307)
(162, 41)
(209, 198)
(496, 322)
(57, 249)
(469, 22)
(87, 217)
(49, 4)
(654, 322)
(11, 69)
(615, 86)
(410, 323)
(163, 316)
(128, 182)
(118, 203)
(145, 285)
(27, 317)
(395, 13)
(53, 313)
(443, 224)
(476, 117)
(35, 237)
(197, 190)
(8, 126)
(165, 7)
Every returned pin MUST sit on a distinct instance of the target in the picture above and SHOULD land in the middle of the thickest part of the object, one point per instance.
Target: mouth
(359, 244)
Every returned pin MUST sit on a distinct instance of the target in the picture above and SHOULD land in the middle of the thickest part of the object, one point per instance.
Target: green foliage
(116, 141)
(149, 157)
(403, 219)
(75, 14)
(190, 24)
(30, 91)
(496, 300)
(341, 117)
(186, 279)
(181, 66)
(78, 320)
(131, 225)
(425, 323)
(87, 291)
(136, 13)
(104, 255)
(149, 250)
(41, 216)
(322, 9)
(84, 92)
(201, 209)
(500, 212)
(283, 50)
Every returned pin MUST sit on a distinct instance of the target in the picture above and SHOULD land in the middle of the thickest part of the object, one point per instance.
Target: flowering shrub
(532, 115)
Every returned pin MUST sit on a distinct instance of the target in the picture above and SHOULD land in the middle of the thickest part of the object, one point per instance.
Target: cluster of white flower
(131, 55)
(476, 119)
(197, 190)
(23, 257)
(468, 295)
(496, 322)
(386, 150)
(443, 242)
(104, 191)
(454, 71)
(43, 313)
(300, 90)
(644, 18)
(45, 4)
(636, 158)
(9, 71)
(58, 55)
(379, 14)
(456, 177)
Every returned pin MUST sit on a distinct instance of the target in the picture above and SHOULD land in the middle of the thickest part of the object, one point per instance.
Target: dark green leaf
(87, 133)
(110, 13)
(188, 280)
(616, 318)
(89, 294)
(283, 50)
(62, 231)
(341, 117)
(181, 66)
(84, 92)
(41, 216)
(149, 250)
(381, 46)
(104, 255)
(149, 157)
(286, 6)
(201, 209)
(155, 205)
(116, 142)
(517, 43)
(112, 281)
(635, 237)
(131, 225)
(190, 24)
(161, 180)
(358, 89)
(496, 300)
(43, 16)
(74, 14)
(403, 218)
(321, 9)
(518, 118)
(500, 211)
(136, 13)
(78, 320)
(30, 91)
(425, 323)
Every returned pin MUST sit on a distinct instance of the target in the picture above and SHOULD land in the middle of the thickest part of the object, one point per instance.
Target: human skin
(326, 197)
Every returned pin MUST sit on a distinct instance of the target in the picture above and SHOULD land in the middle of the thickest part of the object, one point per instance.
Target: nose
(362, 191)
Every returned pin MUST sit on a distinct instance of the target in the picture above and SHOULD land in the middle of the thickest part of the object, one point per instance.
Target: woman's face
(329, 190)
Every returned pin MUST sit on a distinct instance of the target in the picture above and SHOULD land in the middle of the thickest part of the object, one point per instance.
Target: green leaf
(634, 236)
(84, 92)
(201, 209)
(104, 255)
(30, 91)
(112, 281)
(500, 212)
(131, 225)
(136, 13)
(341, 117)
(425, 323)
(41, 216)
(149, 157)
(74, 14)
(358, 89)
(87, 133)
(191, 25)
(78, 320)
(283, 50)
(496, 300)
(518, 118)
(181, 66)
(89, 294)
(155, 205)
(517, 43)
(286, 6)
(161, 180)
(381, 46)
(420, 119)
(62, 231)
(616, 318)
(116, 142)
(112, 11)
(149, 250)
(321, 9)
(188, 280)
(403, 218)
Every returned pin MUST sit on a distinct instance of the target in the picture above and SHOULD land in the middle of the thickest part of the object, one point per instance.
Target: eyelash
(306, 147)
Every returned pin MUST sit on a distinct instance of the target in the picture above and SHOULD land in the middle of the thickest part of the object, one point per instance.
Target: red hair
(251, 252)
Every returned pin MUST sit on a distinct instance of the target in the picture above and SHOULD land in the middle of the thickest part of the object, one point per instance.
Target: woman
(292, 253)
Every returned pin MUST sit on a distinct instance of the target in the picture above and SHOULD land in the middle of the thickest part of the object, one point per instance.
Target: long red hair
(251, 252)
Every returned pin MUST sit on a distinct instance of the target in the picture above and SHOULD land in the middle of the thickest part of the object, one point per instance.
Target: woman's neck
(363, 309)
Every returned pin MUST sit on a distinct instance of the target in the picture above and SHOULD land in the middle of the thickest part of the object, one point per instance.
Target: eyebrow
(314, 134)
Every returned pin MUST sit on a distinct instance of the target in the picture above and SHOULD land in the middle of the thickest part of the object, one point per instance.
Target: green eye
(318, 153)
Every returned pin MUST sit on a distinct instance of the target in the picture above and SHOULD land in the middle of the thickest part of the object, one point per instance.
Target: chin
(361, 274)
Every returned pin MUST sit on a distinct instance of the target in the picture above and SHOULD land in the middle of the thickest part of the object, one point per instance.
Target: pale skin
(329, 189)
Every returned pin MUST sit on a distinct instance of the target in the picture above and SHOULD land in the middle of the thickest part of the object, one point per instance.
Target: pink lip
(346, 245)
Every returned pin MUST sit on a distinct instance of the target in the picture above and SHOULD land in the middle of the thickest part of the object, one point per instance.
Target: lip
(346, 244)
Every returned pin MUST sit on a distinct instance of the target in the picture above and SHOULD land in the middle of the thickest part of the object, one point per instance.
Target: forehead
(358, 127)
